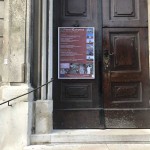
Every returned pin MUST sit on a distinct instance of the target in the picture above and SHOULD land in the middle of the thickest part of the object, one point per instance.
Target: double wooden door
(119, 95)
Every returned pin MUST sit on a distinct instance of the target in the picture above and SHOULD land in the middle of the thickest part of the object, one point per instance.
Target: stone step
(94, 136)
(89, 147)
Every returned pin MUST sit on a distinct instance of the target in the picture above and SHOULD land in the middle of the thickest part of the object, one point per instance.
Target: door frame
(42, 54)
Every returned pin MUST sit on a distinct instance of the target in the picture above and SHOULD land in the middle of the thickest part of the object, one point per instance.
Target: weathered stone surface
(1, 27)
(9, 92)
(13, 127)
(90, 147)
(1, 44)
(1, 35)
(37, 139)
(16, 120)
(69, 147)
(14, 40)
(17, 40)
(43, 113)
(128, 146)
(93, 136)
(1, 9)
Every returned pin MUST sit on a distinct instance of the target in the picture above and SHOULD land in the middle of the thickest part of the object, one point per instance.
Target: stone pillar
(44, 107)
(50, 53)
(50, 49)
(43, 115)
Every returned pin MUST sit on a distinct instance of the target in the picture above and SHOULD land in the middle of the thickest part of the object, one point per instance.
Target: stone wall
(14, 125)
(1, 34)
(15, 40)
(13, 66)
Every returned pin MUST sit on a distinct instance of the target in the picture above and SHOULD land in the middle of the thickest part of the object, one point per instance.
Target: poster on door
(76, 53)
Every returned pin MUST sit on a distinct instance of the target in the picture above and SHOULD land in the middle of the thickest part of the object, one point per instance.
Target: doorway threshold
(93, 136)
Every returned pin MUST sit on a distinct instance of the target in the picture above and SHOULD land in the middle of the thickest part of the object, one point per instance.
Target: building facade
(118, 96)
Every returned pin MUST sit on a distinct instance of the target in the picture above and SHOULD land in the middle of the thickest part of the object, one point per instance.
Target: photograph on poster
(90, 36)
(90, 57)
(75, 68)
(89, 41)
(90, 46)
(89, 52)
(76, 53)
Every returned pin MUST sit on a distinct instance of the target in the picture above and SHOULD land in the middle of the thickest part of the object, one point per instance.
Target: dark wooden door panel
(128, 47)
(125, 49)
(126, 79)
(70, 96)
(78, 13)
(125, 13)
(128, 68)
(78, 8)
(77, 119)
(127, 118)
(75, 94)
(71, 92)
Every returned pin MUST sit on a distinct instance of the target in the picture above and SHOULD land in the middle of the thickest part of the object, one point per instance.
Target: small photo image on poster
(89, 68)
(90, 46)
(89, 57)
(90, 36)
(89, 52)
(90, 41)
(90, 30)
(76, 53)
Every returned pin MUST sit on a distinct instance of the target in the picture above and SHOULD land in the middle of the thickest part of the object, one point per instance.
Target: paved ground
(91, 147)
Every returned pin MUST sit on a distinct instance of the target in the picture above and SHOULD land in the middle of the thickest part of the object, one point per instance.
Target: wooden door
(126, 64)
(78, 103)
(119, 95)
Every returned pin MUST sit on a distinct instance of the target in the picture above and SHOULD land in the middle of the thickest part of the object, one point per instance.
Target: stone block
(1, 9)
(1, 27)
(43, 115)
(14, 41)
(14, 127)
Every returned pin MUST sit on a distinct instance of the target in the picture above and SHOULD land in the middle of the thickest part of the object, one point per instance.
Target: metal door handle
(106, 59)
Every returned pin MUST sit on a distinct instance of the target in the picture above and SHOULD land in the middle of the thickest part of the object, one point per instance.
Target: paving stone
(128, 146)
(69, 147)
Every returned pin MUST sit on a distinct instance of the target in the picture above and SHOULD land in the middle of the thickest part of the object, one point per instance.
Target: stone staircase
(91, 140)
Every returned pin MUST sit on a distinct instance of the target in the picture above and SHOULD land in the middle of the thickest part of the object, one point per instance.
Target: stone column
(43, 115)
(50, 50)
(44, 107)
